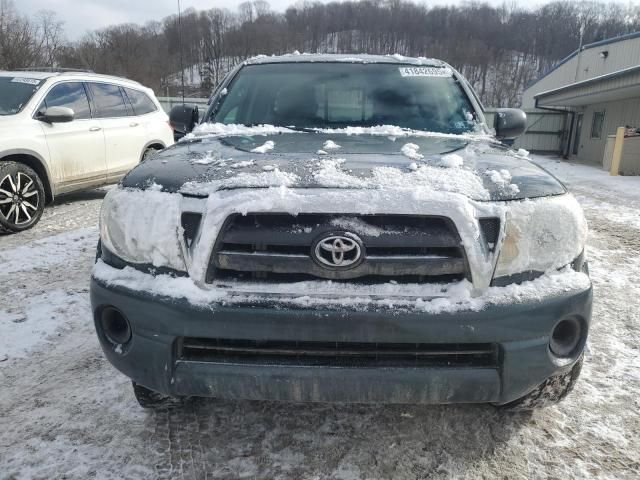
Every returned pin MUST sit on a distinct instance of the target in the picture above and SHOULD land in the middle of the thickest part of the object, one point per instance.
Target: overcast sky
(82, 15)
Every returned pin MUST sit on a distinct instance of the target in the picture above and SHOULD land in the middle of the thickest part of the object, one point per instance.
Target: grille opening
(190, 224)
(490, 231)
(415, 251)
(277, 247)
(338, 354)
(272, 277)
(373, 251)
(390, 222)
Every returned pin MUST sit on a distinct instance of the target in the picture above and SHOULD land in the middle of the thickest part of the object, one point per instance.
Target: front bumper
(520, 331)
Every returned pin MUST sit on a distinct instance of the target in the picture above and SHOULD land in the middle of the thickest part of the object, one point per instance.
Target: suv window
(15, 92)
(71, 95)
(140, 102)
(108, 100)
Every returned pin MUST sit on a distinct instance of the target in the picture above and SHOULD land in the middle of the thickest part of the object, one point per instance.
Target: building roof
(600, 43)
(345, 58)
(612, 86)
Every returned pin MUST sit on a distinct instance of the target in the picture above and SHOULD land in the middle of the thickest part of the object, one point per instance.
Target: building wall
(588, 64)
(544, 132)
(168, 103)
(630, 164)
(617, 114)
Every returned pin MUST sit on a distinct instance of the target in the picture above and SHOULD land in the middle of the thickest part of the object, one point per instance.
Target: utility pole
(180, 45)
(582, 29)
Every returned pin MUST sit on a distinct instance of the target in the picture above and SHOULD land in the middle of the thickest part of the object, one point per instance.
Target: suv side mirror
(509, 123)
(183, 119)
(56, 115)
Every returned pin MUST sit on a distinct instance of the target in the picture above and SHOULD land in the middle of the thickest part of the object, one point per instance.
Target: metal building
(598, 86)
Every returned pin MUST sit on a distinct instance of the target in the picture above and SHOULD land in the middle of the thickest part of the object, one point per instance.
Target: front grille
(278, 247)
(337, 354)
(190, 224)
(490, 228)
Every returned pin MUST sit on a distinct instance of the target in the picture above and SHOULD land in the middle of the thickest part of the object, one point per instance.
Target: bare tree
(17, 38)
(499, 49)
(50, 37)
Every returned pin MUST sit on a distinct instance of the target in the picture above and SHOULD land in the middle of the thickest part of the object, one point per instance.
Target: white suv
(67, 131)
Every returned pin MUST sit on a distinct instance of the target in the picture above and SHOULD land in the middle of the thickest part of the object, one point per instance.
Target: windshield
(337, 95)
(15, 92)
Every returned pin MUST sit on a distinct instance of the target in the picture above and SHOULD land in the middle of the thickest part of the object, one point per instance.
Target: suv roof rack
(53, 70)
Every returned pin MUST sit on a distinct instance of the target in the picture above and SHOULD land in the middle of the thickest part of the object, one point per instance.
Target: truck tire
(21, 197)
(550, 392)
(149, 399)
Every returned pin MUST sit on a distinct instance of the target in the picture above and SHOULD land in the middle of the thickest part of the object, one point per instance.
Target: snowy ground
(66, 413)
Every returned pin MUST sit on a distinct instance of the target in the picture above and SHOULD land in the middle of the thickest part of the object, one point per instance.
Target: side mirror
(183, 119)
(56, 115)
(509, 123)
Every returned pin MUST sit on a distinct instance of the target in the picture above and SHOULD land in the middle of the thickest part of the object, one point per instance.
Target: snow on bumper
(432, 298)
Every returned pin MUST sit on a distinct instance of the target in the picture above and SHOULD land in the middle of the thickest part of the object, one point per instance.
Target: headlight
(142, 227)
(541, 235)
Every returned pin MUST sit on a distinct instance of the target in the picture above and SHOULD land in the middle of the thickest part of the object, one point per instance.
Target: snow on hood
(221, 157)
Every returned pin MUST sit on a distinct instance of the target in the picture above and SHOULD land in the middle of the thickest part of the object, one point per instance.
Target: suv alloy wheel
(21, 197)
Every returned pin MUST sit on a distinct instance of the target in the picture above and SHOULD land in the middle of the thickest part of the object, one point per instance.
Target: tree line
(499, 49)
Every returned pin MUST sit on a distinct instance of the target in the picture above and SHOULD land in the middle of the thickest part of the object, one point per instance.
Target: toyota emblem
(338, 250)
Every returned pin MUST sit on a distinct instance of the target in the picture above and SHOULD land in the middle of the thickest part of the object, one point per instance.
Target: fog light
(565, 337)
(115, 326)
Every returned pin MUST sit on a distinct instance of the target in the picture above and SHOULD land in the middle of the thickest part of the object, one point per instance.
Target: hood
(479, 169)
(8, 119)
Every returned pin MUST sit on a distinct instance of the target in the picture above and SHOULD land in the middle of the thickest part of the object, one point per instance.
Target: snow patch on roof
(357, 58)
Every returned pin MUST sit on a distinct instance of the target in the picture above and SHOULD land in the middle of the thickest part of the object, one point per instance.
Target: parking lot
(66, 413)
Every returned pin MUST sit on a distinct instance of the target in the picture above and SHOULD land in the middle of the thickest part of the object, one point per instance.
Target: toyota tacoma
(344, 229)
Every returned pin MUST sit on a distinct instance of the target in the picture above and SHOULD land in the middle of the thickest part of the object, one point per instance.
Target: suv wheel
(550, 392)
(149, 399)
(21, 197)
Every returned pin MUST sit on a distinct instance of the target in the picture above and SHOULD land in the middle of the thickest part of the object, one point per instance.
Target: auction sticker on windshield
(425, 72)
(30, 81)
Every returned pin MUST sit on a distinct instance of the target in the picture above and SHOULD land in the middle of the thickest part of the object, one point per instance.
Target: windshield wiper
(301, 129)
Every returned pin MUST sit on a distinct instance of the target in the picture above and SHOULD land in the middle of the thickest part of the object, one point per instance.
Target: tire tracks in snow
(68, 413)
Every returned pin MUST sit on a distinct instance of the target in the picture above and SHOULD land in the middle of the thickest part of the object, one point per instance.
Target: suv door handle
(95, 129)
(133, 124)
